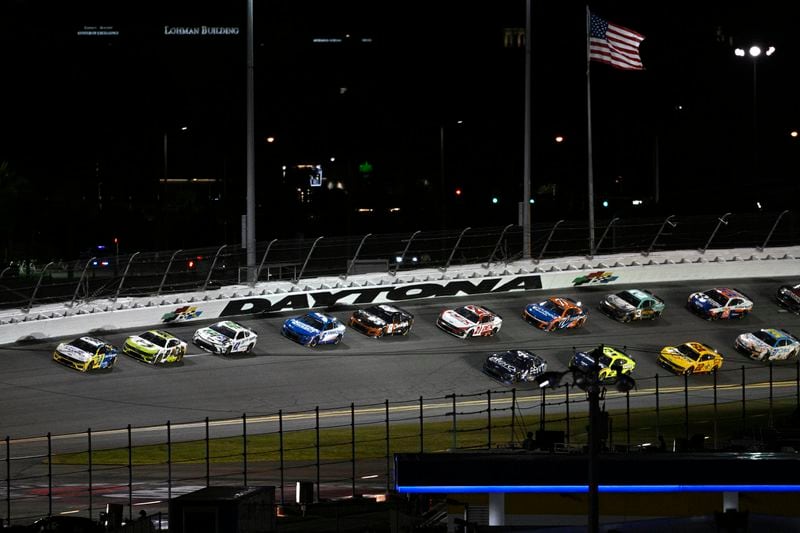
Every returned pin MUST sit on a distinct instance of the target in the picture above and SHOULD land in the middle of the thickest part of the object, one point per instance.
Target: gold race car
(690, 358)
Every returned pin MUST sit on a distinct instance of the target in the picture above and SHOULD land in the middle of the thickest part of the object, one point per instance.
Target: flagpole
(589, 135)
(526, 194)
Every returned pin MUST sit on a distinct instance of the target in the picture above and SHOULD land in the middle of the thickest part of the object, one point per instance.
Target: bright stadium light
(755, 51)
(770, 50)
(739, 52)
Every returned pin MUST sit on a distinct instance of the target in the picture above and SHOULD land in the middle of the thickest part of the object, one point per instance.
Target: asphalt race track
(40, 396)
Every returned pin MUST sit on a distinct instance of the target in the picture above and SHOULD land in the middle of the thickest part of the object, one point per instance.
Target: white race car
(225, 337)
(768, 344)
(469, 321)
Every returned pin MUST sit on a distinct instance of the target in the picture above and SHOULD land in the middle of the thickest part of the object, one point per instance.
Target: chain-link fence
(348, 450)
(112, 275)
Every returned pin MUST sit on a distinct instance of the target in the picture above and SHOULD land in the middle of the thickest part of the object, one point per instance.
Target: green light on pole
(494, 199)
(365, 167)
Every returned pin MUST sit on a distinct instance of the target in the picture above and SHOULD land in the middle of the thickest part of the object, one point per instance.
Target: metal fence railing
(111, 275)
(348, 450)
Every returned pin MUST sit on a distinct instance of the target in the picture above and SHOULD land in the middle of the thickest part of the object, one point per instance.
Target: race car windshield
(605, 361)
(313, 322)
(380, 312)
(224, 330)
(629, 298)
(83, 345)
(155, 339)
(550, 306)
(764, 336)
(716, 296)
(688, 352)
(469, 315)
(516, 360)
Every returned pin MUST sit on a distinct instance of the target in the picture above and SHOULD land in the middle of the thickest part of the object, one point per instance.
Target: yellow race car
(690, 358)
(155, 347)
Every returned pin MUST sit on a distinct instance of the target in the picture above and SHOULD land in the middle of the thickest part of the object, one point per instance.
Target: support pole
(250, 217)
(355, 257)
(311, 251)
(261, 264)
(352, 449)
(80, 281)
(453, 252)
(547, 242)
(213, 265)
(672, 224)
(91, 488)
(166, 272)
(124, 275)
(769, 235)
(403, 256)
(602, 237)
(497, 245)
(244, 448)
(36, 289)
(720, 221)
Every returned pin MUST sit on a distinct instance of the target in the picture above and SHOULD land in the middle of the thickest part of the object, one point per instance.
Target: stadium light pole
(250, 218)
(754, 52)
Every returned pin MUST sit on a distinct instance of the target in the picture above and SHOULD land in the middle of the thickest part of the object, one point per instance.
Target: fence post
(302, 270)
(455, 425)
(769, 418)
(80, 281)
(602, 238)
(124, 275)
(744, 401)
(761, 248)
(797, 384)
(549, 238)
(261, 264)
(169, 460)
(355, 257)
(403, 255)
(566, 395)
(89, 439)
(542, 408)
(316, 443)
(166, 271)
(668, 220)
(658, 409)
(36, 289)
(280, 446)
(628, 417)
(353, 449)
(8, 479)
(421, 428)
(49, 474)
(208, 458)
(715, 409)
(489, 415)
(388, 450)
(244, 447)
(130, 474)
(453, 251)
(211, 268)
(686, 405)
(513, 415)
(497, 245)
(720, 221)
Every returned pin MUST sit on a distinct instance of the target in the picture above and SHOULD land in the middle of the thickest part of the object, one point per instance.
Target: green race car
(632, 304)
(155, 347)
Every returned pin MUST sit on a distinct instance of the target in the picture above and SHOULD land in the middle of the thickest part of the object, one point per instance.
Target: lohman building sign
(201, 30)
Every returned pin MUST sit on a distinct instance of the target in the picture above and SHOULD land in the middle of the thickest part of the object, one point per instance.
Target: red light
(458, 192)
(199, 257)
(116, 240)
(191, 263)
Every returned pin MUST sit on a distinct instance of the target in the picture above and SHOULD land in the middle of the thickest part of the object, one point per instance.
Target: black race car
(788, 296)
(513, 366)
(382, 319)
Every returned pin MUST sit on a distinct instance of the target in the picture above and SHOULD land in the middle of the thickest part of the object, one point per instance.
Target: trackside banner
(370, 295)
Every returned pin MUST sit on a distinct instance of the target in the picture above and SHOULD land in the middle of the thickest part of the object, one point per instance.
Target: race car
(225, 337)
(382, 319)
(86, 353)
(788, 296)
(314, 328)
(719, 303)
(768, 344)
(690, 358)
(512, 366)
(633, 304)
(469, 321)
(555, 313)
(155, 347)
(610, 362)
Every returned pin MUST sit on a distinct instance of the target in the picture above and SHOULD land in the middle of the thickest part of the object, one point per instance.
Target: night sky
(85, 117)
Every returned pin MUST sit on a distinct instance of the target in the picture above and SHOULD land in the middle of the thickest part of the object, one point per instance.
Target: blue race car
(314, 328)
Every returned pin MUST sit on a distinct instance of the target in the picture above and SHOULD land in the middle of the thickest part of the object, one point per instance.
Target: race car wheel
(626, 318)
(337, 340)
(655, 315)
(249, 348)
(228, 350)
(406, 331)
(313, 342)
(494, 331)
(689, 371)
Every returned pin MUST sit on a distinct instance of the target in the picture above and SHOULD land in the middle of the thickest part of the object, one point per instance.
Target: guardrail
(156, 273)
(347, 450)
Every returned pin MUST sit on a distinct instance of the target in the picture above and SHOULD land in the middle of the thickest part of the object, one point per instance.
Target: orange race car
(555, 313)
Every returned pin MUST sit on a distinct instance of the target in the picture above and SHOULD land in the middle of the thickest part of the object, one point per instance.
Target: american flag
(615, 45)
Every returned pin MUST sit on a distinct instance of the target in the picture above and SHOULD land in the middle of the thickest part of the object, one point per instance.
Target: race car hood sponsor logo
(601, 276)
(498, 361)
(73, 353)
(212, 336)
(296, 325)
(143, 344)
(370, 319)
(618, 303)
(367, 295)
(674, 355)
(541, 313)
(748, 340)
(454, 319)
